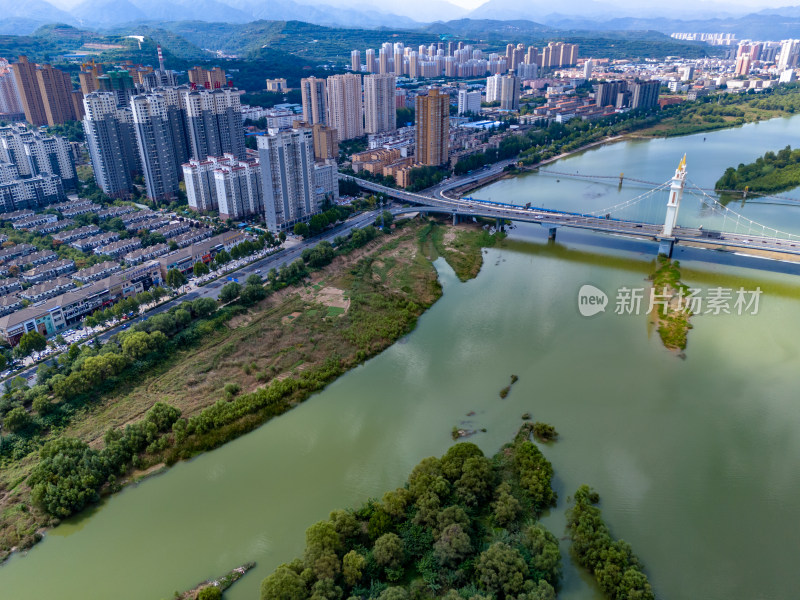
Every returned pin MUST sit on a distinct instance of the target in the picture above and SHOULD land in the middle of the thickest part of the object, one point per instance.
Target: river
(692, 458)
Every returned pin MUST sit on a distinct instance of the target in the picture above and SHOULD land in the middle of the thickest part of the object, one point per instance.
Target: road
(212, 290)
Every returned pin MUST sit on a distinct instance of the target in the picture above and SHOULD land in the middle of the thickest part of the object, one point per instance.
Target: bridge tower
(673, 205)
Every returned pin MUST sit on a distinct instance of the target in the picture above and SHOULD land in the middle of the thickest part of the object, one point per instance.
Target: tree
(501, 569)
(506, 508)
(282, 236)
(353, 567)
(545, 561)
(252, 294)
(30, 342)
(17, 419)
(230, 292)
(452, 546)
(203, 307)
(388, 551)
(175, 279)
(222, 257)
(200, 268)
(211, 592)
(301, 229)
(394, 593)
(284, 584)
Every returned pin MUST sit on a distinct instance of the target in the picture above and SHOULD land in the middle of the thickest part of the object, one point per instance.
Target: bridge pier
(666, 246)
(500, 224)
(455, 218)
(551, 234)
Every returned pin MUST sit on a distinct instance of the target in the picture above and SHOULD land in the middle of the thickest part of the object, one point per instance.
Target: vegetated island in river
(463, 527)
(671, 311)
(94, 426)
(212, 589)
(771, 173)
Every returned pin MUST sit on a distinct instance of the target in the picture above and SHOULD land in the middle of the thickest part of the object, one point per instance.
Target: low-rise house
(143, 254)
(173, 229)
(33, 260)
(65, 237)
(90, 243)
(115, 211)
(48, 271)
(98, 271)
(48, 289)
(150, 224)
(16, 250)
(34, 220)
(119, 248)
(184, 259)
(17, 215)
(10, 304)
(10, 285)
(81, 210)
(46, 228)
(195, 235)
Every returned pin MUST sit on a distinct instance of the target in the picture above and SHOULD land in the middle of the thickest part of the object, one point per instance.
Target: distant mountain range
(23, 17)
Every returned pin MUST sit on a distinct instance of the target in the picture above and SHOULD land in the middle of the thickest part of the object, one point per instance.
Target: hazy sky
(751, 5)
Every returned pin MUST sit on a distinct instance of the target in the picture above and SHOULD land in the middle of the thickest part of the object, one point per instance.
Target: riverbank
(336, 319)
(679, 120)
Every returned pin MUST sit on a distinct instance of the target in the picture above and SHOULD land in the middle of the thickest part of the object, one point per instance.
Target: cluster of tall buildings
(456, 59)
(45, 94)
(35, 169)
(626, 94)
(504, 89)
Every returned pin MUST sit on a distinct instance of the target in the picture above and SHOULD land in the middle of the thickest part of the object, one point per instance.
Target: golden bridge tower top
(675, 195)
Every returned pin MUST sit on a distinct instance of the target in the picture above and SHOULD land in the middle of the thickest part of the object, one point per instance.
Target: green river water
(693, 458)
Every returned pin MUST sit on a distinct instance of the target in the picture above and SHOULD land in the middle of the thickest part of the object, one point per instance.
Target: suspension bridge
(645, 216)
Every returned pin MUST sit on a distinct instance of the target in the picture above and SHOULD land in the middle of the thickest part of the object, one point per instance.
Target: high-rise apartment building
(112, 146)
(644, 94)
(790, 54)
(493, 88)
(239, 188)
(509, 92)
(607, 91)
(384, 58)
(345, 106)
(10, 102)
(46, 94)
(369, 58)
(156, 142)
(213, 122)
(88, 75)
(432, 128)
(469, 102)
(588, 66)
(399, 53)
(287, 176)
(380, 113)
(742, 65)
(559, 54)
(120, 83)
(355, 61)
(413, 65)
(33, 154)
(326, 141)
(315, 100)
(210, 79)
